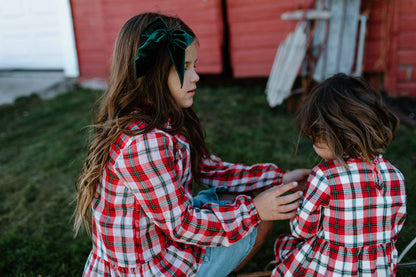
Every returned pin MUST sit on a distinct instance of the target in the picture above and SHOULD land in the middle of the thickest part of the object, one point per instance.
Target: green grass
(43, 144)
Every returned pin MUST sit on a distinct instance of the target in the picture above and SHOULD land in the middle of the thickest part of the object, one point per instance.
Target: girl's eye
(189, 65)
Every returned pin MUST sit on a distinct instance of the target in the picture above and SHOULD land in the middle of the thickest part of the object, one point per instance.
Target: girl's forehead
(191, 51)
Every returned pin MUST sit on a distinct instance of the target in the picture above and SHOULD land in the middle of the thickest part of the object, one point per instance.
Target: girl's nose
(195, 77)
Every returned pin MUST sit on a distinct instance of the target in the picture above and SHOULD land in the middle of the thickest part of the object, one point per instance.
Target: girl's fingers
(283, 216)
(288, 208)
(286, 199)
(282, 189)
(272, 204)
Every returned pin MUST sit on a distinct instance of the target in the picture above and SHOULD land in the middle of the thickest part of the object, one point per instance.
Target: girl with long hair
(135, 190)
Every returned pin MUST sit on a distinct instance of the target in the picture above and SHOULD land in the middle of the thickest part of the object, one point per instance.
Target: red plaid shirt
(143, 220)
(348, 223)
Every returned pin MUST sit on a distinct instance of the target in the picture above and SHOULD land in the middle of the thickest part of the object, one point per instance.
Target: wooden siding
(90, 38)
(375, 53)
(405, 71)
(256, 31)
(396, 48)
(97, 22)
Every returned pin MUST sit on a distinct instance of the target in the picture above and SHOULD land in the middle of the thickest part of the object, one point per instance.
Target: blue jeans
(221, 261)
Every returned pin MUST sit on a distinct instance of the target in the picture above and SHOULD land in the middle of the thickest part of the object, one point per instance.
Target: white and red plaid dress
(348, 222)
(143, 221)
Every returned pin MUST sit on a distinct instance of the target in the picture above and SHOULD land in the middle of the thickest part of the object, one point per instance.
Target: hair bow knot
(157, 34)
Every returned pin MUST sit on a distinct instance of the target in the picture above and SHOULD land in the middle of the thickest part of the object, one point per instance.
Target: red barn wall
(97, 22)
(256, 31)
(401, 79)
(391, 44)
(376, 50)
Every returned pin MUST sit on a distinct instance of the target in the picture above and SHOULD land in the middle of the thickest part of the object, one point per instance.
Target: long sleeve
(316, 196)
(152, 168)
(348, 222)
(239, 177)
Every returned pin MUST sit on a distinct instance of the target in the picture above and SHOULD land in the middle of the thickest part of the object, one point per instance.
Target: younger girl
(354, 203)
(136, 187)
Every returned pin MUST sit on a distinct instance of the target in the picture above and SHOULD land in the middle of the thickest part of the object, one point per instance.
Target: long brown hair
(127, 100)
(350, 116)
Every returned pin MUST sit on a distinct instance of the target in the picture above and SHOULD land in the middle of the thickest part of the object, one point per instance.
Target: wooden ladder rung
(406, 264)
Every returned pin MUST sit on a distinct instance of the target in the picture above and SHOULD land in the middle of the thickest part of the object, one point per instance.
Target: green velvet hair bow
(157, 34)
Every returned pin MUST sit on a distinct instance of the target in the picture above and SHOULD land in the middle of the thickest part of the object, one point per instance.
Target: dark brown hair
(128, 100)
(350, 116)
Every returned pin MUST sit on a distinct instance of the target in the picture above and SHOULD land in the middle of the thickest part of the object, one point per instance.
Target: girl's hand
(297, 175)
(271, 205)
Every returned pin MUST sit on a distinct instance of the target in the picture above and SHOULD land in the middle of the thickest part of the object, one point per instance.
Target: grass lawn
(43, 144)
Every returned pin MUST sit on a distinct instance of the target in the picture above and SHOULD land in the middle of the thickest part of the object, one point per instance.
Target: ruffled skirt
(321, 258)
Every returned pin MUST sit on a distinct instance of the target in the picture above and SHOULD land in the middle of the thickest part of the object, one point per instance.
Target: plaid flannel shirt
(143, 220)
(348, 223)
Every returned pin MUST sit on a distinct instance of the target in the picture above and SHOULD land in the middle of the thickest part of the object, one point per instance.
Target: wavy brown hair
(350, 116)
(128, 100)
